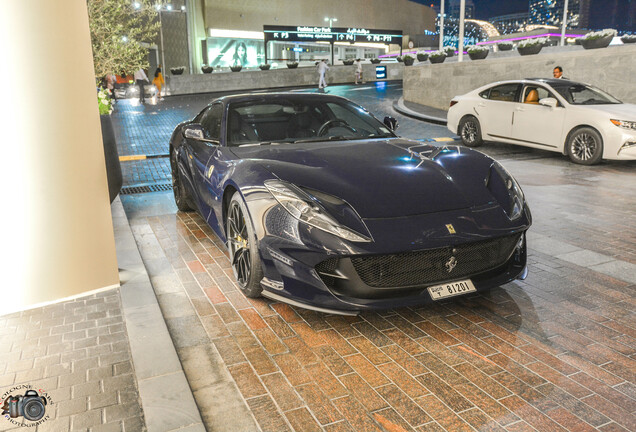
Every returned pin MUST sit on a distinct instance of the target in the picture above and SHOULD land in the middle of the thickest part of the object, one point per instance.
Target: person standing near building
(358, 72)
(322, 69)
(158, 81)
(557, 73)
(141, 79)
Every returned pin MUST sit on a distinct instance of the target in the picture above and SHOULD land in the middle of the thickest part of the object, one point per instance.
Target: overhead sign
(331, 34)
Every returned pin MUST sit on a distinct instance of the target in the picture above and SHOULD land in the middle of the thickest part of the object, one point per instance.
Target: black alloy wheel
(585, 146)
(181, 197)
(470, 132)
(243, 248)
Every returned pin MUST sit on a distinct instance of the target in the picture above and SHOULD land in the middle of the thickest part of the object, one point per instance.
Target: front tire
(585, 146)
(181, 197)
(243, 248)
(470, 132)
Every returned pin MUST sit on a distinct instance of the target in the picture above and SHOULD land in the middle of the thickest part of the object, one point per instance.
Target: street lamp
(331, 21)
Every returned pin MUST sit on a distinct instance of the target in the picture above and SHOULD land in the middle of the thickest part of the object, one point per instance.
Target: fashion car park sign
(331, 34)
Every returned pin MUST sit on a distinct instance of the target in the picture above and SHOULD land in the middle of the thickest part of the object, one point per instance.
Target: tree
(118, 30)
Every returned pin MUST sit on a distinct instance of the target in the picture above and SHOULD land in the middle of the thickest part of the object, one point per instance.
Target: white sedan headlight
(624, 124)
(301, 207)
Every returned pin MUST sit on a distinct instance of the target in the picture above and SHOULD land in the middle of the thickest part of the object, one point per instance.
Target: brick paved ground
(78, 353)
(552, 353)
(555, 352)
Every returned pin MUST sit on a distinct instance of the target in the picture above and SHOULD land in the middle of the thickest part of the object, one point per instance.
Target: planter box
(480, 55)
(436, 59)
(176, 71)
(236, 68)
(375, 61)
(292, 65)
(347, 62)
(450, 53)
(422, 57)
(596, 43)
(408, 61)
(628, 39)
(505, 47)
(207, 69)
(265, 66)
(530, 50)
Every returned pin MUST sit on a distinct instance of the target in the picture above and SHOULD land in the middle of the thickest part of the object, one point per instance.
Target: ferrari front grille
(433, 266)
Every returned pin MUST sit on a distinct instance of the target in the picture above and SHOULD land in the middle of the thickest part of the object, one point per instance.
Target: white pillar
(55, 225)
(565, 22)
(441, 26)
(460, 48)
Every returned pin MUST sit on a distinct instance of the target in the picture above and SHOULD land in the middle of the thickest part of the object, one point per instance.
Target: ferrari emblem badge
(450, 228)
(450, 264)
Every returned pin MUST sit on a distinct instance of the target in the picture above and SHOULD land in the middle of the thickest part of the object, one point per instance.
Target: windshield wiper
(329, 138)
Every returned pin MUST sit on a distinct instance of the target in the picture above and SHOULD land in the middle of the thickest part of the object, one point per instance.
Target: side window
(504, 92)
(541, 92)
(484, 94)
(211, 122)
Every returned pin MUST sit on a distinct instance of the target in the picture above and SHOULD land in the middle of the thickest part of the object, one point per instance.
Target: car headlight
(301, 207)
(507, 190)
(624, 124)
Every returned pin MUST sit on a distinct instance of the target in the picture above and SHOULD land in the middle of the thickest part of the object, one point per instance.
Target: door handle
(481, 105)
(520, 109)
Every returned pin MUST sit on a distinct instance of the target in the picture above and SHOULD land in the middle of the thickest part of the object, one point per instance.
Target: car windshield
(581, 94)
(293, 120)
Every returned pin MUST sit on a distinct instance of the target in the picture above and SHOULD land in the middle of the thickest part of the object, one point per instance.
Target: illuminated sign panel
(331, 34)
(380, 72)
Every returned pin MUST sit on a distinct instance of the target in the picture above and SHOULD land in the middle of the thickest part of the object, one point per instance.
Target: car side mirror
(391, 123)
(195, 132)
(549, 102)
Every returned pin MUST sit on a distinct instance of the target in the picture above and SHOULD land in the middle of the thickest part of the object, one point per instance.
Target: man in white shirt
(358, 72)
(322, 69)
(141, 79)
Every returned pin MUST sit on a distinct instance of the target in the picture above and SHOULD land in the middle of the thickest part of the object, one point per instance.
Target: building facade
(550, 12)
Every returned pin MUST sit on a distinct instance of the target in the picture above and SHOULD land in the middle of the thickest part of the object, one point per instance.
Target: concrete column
(55, 224)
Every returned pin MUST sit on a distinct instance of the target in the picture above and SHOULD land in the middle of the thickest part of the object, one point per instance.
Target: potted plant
(177, 70)
(113, 167)
(206, 69)
(375, 60)
(408, 60)
(598, 39)
(348, 62)
(292, 65)
(628, 38)
(422, 56)
(264, 66)
(437, 57)
(236, 68)
(449, 50)
(477, 52)
(530, 46)
(399, 59)
(505, 46)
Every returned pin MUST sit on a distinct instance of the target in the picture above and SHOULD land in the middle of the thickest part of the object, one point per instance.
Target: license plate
(451, 289)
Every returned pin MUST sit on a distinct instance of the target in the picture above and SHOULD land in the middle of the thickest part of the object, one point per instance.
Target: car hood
(379, 178)
(623, 111)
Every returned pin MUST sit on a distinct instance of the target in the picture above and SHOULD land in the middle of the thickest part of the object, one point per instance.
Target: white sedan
(559, 115)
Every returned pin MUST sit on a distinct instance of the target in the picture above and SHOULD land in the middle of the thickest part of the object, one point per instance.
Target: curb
(399, 106)
(165, 395)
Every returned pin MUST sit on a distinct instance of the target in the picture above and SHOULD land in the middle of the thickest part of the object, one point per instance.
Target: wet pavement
(555, 352)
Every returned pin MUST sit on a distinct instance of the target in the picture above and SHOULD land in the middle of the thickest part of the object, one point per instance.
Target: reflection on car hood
(620, 111)
(379, 178)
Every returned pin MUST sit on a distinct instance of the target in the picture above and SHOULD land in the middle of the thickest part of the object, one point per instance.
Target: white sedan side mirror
(551, 102)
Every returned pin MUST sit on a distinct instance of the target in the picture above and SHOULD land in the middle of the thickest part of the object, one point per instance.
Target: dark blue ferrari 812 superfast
(322, 206)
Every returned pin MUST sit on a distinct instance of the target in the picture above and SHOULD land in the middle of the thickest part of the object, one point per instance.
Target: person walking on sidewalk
(358, 72)
(322, 69)
(158, 81)
(141, 79)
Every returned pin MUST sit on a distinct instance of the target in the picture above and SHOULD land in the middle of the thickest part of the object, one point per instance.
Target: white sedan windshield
(581, 94)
